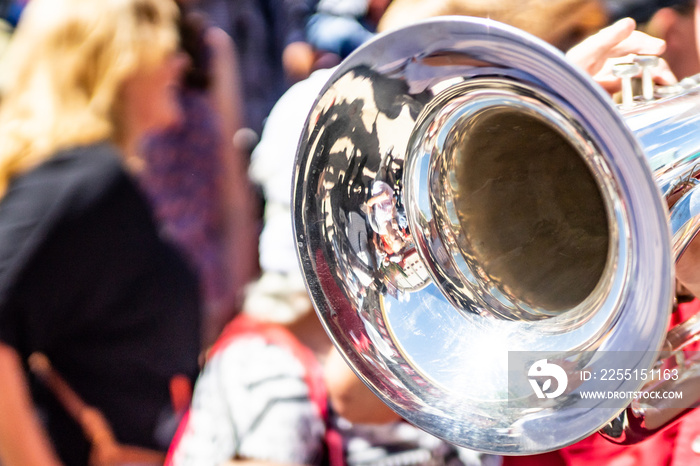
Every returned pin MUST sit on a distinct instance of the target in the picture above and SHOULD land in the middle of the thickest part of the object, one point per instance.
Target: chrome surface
(685, 218)
(462, 192)
(647, 63)
(646, 416)
(626, 71)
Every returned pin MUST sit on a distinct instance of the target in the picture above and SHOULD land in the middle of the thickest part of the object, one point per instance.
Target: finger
(614, 42)
(638, 43)
(609, 83)
(663, 75)
(592, 52)
(607, 38)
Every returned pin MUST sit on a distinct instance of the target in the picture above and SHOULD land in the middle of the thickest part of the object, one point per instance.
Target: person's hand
(298, 60)
(618, 43)
(350, 397)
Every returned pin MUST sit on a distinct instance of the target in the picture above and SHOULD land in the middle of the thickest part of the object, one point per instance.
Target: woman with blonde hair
(85, 279)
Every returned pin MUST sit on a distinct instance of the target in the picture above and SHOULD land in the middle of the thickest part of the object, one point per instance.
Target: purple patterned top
(181, 178)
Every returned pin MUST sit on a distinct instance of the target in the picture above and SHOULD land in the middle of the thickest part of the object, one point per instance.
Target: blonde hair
(62, 73)
(559, 22)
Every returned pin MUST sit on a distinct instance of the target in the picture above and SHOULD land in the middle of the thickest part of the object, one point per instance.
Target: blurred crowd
(151, 301)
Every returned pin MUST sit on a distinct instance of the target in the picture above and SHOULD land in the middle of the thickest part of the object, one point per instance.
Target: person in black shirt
(85, 278)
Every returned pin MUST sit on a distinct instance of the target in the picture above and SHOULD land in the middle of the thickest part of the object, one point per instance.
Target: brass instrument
(462, 194)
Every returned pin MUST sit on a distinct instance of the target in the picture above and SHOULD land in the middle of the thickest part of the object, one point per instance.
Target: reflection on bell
(463, 194)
